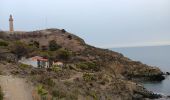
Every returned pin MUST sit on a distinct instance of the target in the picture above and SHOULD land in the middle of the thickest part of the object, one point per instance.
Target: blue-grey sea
(152, 55)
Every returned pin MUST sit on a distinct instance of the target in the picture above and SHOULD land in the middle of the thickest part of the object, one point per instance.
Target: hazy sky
(102, 23)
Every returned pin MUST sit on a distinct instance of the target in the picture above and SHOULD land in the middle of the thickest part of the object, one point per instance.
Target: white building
(37, 61)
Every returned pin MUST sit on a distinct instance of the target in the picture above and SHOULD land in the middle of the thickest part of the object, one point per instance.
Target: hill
(88, 72)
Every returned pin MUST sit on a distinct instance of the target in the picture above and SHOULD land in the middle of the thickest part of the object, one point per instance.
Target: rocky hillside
(88, 73)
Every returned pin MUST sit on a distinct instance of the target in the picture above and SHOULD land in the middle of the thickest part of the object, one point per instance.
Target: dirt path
(15, 88)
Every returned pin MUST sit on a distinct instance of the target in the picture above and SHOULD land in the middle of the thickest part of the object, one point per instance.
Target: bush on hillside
(88, 77)
(63, 30)
(20, 49)
(56, 68)
(34, 43)
(23, 66)
(88, 66)
(64, 54)
(53, 46)
(70, 37)
(1, 94)
(3, 43)
(42, 92)
(58, 94)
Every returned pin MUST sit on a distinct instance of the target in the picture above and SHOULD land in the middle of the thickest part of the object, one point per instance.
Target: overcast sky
(102, 23)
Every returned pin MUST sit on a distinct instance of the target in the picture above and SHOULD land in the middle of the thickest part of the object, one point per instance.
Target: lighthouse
(11, 26)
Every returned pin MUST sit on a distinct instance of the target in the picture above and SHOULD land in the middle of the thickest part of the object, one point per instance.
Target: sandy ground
(15, 88)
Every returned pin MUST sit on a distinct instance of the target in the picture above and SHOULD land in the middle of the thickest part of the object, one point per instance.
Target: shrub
(58, 93)
(88, 66)
(3, 43)
(53, 46)
(34, 43)
(63, 30)
(41, 91)
(23, 66)
(64, 54)
(1, 94)
(70, 37)
(56, 68)
(94, 95)
(20, 49)
(88, 77)
(49, 82)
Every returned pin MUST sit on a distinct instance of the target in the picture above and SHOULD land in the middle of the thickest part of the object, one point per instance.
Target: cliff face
(89, 72)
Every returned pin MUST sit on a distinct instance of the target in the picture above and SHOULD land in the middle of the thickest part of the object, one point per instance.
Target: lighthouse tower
(11, 26)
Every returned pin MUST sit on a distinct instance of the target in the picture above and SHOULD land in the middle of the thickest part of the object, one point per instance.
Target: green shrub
(41, 91)
(1, 94)
(93, 94)
(34, 43)
(53, 46)
(63, 30)
(23, 66)
(64, 54)
(3, 43)
(87, 66)
(20, 49)
(56, 68)
(49, 82)
(58, 93)
(88, 77)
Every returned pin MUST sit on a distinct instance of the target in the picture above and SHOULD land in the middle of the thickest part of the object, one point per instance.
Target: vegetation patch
(42, 92)
(3, 43)
(64, 54)
(56, 68)
(58, 94)
(88, 77)
(23, 66)
(20, 49)
(53, 46)
(1, 94)
(87, 66)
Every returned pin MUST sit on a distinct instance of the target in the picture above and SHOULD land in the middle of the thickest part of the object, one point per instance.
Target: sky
(101, 23)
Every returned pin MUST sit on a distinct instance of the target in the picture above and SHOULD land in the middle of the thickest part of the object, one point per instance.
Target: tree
(53, 46)
(64, 54)
(20, 49)
(36, 44)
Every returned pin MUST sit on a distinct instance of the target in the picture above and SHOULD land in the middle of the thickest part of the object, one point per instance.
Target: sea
(157, 56)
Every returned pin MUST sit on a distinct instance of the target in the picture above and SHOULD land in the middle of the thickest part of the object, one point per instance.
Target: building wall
(33, 63)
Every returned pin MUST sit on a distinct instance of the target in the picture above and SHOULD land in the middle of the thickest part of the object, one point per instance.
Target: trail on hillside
(15, 88)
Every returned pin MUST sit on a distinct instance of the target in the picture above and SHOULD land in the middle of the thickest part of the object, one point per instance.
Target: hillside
(88, 72)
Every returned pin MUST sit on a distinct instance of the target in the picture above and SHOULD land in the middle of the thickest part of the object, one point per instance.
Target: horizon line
(134, 46)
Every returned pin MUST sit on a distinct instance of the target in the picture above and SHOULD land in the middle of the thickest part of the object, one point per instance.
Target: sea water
(155, 56)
